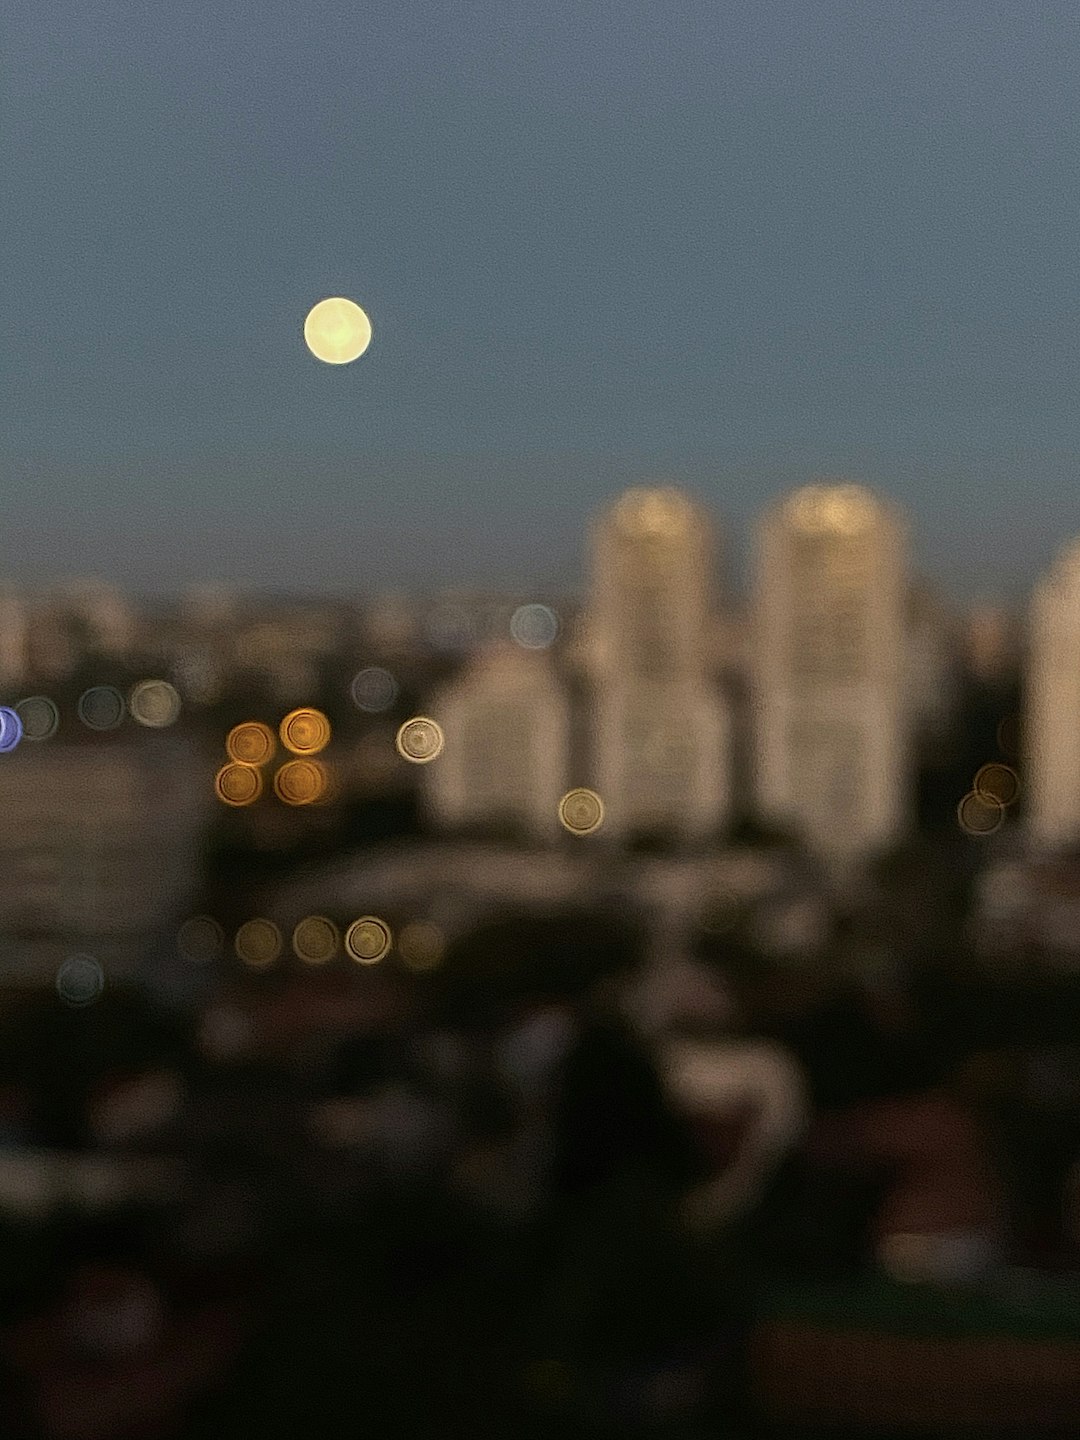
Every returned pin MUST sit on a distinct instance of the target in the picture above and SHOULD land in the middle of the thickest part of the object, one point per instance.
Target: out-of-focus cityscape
(673, 1032)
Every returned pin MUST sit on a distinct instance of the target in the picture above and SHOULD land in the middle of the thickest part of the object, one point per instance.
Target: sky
(733, 246)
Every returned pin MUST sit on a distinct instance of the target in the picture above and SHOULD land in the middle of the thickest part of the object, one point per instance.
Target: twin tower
(652, 704)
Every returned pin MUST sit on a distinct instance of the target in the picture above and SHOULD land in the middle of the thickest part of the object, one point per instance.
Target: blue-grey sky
(734, 245)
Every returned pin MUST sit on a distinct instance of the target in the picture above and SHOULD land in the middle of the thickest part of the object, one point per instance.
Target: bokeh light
(251, 743)
(238, 784)
(373, 690)
(201, 940)
(581, 811)
(101, 707)
(305, 731)
(40, 717)
(997, 782)
(534, 627)
(300, 782)
(979, 815)
(421, 945)
(80, 981)
(368, 939)
(337, 331)
(258, 943)
(11, 729)
(420, 740)
(316, 940)
(154, 703)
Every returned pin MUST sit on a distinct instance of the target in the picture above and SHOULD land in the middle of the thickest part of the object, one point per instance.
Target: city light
(40, 717)
(979, 815)
(11, 729)
(337, 331)
(420, 740)
(101, 707)
(305, 731)
(581, 811)
(368, 939)
(997, 783)
(251, 743)
(373, 690)
(300, 782)
(238, 784)
(154, 703)
(258, 943)
(534, 627)
(316, 940)
(80, 981)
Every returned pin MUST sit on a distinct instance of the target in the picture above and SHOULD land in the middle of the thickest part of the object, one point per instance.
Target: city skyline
(736, 253)
(521, 570)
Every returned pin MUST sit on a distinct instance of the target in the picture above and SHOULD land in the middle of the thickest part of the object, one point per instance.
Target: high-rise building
(1052, 719)
(506, 724)
(659, 724)
(830, 717)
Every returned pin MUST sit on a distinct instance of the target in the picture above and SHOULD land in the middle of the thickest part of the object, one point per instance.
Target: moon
(337, 331)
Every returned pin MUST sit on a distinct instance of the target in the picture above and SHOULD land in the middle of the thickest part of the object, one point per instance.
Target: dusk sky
(733, 246)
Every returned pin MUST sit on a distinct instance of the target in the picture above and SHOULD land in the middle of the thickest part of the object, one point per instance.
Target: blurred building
(461, 885)
(285, 647)
(392, 624)
(458, 621)
(1027, 905)
(210, 606)
(659, 725)
(105, 615)
(75, 620)
(14, 640)
(831, 720)
(1052, 719)
(101, 844)
(507, 728)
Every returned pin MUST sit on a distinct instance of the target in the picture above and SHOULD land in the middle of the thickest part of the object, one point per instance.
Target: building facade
(506, 723)
(830, 718)
(1052, 707)
(660, 731)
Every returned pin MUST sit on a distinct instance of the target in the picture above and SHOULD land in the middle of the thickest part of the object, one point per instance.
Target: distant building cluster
(837, 672)
(652, 702)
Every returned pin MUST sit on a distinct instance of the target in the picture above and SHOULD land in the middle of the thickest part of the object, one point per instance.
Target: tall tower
(1052, 718)
(830, 718)
(659, 732)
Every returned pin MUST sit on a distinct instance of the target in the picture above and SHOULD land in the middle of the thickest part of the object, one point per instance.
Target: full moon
(337, 331)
